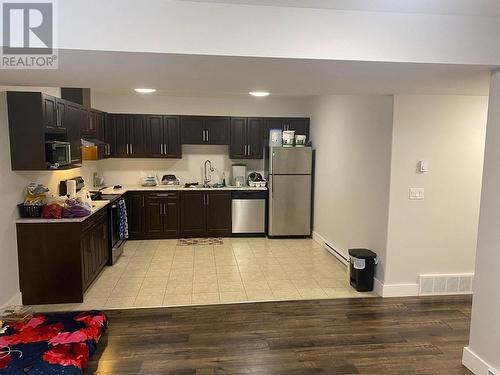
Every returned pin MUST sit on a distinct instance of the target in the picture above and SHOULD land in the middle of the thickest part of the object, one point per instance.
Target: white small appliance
(239, 174)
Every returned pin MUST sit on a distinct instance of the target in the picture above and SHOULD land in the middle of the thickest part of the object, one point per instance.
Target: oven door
(116, 243)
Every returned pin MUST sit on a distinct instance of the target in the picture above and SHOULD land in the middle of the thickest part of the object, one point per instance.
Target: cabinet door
(217, 130)
(172, 137)
(121, 130)
(193, 132)
(60, 113)
(138, 146)
(272, 123)
(155, 137)
(218, 213)
(171, 217)
(154, 215)
(73, 122)
(254, 138)
(193, 214)
(86, 258)
(238, 134)
(100, 132)
(91, 128)
(136, 214)
(49, 111)
(109, 134)
(300, 125)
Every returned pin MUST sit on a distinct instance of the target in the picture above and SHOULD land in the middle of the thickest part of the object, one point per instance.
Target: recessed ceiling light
(259, 93)
(144, 91)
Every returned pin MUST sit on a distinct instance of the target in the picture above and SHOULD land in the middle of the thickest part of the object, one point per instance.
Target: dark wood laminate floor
(423, 336)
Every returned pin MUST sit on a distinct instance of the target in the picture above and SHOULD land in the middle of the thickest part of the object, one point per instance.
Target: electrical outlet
(417, 193)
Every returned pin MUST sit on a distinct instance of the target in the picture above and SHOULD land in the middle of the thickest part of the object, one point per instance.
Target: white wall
(230, 30)
(212, 106)
(352, 137)
(484, 346)
(189, 168)
(12, 187)
(437, 234)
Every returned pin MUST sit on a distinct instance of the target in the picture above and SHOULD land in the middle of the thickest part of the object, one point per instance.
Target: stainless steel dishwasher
(249, 212)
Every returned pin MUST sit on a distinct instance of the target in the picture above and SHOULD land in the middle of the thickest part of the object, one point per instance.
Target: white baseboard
(14, 300)
(476, 364)
(378, 287)
(399, 290)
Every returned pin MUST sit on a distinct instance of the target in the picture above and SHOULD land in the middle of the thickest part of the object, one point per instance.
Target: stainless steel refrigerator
(289, 172)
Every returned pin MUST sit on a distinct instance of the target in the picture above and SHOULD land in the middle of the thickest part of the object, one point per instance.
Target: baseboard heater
(337, 254)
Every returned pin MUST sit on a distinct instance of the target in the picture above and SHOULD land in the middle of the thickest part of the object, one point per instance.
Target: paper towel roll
(71, 188)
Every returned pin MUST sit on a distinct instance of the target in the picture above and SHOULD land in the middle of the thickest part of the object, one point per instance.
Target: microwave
(57, 154)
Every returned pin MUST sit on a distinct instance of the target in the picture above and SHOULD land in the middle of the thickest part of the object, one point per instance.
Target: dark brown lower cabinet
(205, 213)
(136, 214)
(58, 261)
(162, 215)
(178, 214)
(94, 248)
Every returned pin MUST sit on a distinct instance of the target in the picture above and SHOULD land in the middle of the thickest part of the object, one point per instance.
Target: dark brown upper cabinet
(53, 113)
(298, 124)
(90, 126)
(163, 136)
(211, 130)
(35, 118)
(205, 213)
(129, 136)
(246, 138)
(73, 121)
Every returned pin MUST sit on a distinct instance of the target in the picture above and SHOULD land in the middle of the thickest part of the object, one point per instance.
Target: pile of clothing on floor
(51, 343)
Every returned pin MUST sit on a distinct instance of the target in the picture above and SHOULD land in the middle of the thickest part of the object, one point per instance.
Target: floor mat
(199, 241)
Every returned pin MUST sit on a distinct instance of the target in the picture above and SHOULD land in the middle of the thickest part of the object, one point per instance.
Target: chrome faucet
(207, 177)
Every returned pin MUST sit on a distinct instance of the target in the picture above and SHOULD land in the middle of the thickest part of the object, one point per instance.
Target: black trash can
(362, 269)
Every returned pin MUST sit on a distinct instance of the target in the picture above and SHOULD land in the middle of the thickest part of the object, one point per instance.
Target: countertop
(98, 205)
(124, 189)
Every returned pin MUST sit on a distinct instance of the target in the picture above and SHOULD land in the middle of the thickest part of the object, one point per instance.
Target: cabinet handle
(131, 149)
(161, 149)
(127, 149)
(143, 201)
(163, 195)
(248, 152)
(165, 147)
(208, 135)
(208, 200)
(165, 208)
(203, 136)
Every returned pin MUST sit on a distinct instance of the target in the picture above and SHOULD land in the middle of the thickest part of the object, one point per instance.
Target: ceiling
(452, 7)
(196, 75)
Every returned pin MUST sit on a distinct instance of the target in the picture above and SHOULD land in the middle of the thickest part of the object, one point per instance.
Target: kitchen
(214, 155)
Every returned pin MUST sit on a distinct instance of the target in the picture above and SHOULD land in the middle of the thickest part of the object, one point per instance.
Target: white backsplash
(187, 169)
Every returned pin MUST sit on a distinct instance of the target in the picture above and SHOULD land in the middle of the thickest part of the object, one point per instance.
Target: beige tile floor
(158, 273)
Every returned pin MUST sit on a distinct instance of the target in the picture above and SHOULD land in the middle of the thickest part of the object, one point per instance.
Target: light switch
(417, 193)
(423, 166)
